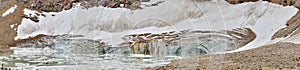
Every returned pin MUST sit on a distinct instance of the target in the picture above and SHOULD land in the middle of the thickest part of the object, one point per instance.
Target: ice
(111, 24)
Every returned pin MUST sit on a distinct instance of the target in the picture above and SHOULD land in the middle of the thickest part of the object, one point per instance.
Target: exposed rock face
(295, 3)
(286, 2)
(130, 4)
(59, 5)
(48, 5)
(240, 1)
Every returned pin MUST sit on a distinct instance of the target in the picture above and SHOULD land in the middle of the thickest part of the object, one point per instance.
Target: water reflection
(139, 51)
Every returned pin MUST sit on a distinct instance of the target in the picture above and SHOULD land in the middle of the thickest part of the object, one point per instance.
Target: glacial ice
(111, 24)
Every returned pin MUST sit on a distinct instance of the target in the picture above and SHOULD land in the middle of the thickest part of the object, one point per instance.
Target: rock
(240, 1)
(145, 0)
(297, 4)
(34, 18)
(48, 5)
(59, 5)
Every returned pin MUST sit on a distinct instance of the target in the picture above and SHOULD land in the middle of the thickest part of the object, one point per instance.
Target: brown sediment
(270, 57)
(5, 5)
(7, 33)
(30, 38)
(4, 49)
(245, 38)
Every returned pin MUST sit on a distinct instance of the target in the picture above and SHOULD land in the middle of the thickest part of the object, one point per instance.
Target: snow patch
(10, 10)
(266, 26)
(12, 26)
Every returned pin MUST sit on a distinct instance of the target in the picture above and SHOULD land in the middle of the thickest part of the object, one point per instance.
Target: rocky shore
(270, 57)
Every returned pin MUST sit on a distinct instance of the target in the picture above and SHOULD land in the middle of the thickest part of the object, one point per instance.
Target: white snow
(111, 24)
(12, 26)
(10, 10)
(139, 55)
(268, 24)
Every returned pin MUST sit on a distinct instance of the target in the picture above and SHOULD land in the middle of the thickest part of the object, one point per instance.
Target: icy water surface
(83, 61)
(65, 53)
(83, 54)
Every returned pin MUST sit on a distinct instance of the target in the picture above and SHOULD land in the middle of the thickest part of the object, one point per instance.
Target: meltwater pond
(83, 55)
(64, 52)
(83, 61)
(47, 58)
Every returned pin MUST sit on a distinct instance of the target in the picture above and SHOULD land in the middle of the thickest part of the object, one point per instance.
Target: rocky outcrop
(130, 4)
(239, 1)
(295, 3)
(59, 5)
(48, 5)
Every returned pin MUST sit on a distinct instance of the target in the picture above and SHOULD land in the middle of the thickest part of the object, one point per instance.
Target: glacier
(111, 24)
(72, 39)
